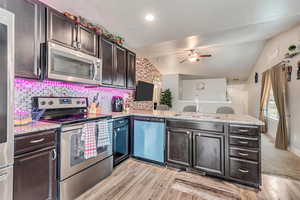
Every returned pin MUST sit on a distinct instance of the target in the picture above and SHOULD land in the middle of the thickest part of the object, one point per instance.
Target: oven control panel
(60, 102)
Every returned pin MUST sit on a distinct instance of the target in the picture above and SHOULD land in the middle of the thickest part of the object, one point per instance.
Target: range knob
(83, 102)
(78, 102)
(43, 103)
(50, 103)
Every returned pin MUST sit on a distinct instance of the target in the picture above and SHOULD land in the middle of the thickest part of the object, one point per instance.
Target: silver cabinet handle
(37, 141)
(95, 70)
(54, 154)
(243, 130)
(3, 177)
(79, 46)
(74, 44)
(243, 142)
(243, 154)
(244, 171)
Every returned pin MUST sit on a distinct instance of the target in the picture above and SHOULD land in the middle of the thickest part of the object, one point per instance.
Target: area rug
(204, 191)
(278, 162)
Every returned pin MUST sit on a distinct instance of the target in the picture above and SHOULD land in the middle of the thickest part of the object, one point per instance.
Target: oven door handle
(70, 128)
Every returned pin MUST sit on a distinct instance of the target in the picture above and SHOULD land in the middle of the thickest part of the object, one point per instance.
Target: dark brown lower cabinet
(208, 152)
(245, 154)
(35, 175)
(244, 170)
(231, 152)
(179, 146)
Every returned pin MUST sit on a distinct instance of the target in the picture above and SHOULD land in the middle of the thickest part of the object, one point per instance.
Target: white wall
(236, 92)
(272, 54)
(213, 89)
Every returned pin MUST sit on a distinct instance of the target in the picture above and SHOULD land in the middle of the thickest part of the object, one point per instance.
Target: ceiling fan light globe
(193, 59)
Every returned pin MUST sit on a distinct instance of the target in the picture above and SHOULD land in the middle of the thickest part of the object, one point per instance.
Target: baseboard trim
(294, 150)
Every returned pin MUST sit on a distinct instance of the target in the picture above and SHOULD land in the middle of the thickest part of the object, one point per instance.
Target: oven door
(72, 151)
(69, 65)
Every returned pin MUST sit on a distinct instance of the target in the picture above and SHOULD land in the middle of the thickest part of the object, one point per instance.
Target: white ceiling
(230, 61)
(234, 30)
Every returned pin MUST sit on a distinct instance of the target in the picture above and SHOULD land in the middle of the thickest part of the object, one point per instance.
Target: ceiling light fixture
(193, 59)
(149, 17)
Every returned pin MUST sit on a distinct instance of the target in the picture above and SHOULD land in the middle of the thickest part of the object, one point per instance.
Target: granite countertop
(35, 127)
(225, 118)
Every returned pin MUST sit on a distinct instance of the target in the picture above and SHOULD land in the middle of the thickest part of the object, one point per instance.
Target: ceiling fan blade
(205, 56)
(183, 60)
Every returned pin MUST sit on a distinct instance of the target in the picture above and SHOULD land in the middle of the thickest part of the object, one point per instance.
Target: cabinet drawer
(244, 130)
(244, 142)
(244, 170)
(35, 141)
(244, 154)
(203, 126)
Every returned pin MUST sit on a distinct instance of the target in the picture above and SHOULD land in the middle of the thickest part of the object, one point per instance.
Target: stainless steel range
(77, 173)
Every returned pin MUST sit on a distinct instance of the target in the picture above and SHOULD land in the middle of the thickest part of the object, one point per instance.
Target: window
(271, 109)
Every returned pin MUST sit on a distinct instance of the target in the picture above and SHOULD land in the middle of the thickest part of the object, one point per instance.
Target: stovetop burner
(63, 110)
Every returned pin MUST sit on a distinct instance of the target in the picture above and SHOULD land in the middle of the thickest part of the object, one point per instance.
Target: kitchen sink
(197, 115)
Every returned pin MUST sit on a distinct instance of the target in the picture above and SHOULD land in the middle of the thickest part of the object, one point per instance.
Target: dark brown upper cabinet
(66, 32)
(61, 30)
(131, 70)
(29, 34)
(114, 64)
(86, 40)
(107, 55)
(120, 67)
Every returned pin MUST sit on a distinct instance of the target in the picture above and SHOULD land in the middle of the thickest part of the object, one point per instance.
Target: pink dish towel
(89, 138)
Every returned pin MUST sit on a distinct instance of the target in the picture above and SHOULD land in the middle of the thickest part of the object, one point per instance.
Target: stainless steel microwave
(70, 65)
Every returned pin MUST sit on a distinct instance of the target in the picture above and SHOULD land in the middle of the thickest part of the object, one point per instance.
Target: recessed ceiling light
(149, 17)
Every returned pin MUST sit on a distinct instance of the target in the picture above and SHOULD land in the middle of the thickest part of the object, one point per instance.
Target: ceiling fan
(194, 56)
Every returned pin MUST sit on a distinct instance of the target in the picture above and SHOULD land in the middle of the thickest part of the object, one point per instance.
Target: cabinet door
(29, 34)
(179, 146)
(35, 176)
(131, 62)
(60, 29)
(107, 49)
(87, 40)
(119, 79)
(208, 151)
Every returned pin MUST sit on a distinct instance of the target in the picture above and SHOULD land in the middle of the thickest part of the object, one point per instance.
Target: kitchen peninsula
(221, 145)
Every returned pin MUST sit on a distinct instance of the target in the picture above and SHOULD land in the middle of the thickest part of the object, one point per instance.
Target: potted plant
(166, 98)
(292, 47)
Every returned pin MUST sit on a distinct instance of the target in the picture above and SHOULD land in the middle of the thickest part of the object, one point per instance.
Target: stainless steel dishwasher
(149, 139)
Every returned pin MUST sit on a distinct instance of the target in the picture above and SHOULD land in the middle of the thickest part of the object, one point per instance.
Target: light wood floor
(278, 162)
(135, 180)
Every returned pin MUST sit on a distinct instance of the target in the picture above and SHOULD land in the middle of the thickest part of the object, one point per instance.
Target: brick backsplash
(145, 71)
(26, 89)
